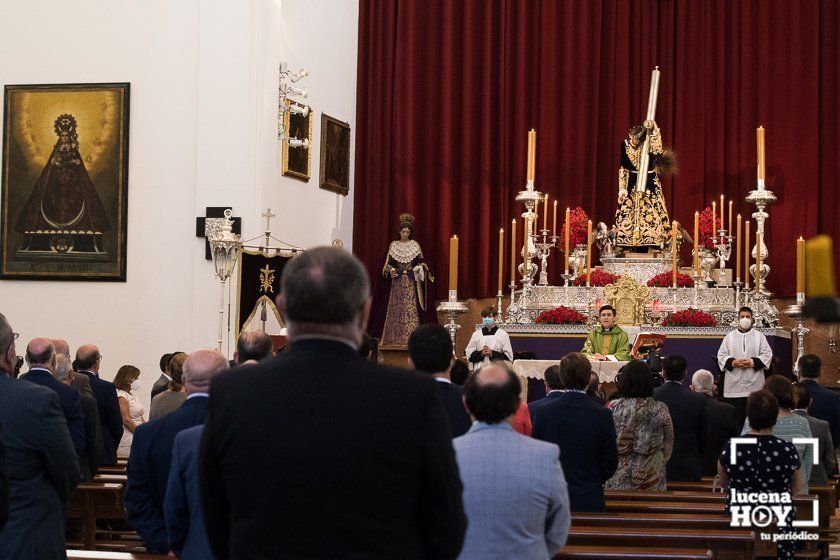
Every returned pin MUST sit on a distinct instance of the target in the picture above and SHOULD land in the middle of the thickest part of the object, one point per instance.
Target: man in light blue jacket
(515, 495)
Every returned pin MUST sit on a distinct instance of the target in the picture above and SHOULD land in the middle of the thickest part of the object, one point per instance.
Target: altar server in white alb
(489, 343)
(744, 356)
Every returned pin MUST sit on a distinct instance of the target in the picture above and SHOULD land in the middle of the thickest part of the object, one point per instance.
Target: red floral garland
(597, 278)
(689, 318)
(561, 316)
(666, 280)
(578, 220)
(709, 226)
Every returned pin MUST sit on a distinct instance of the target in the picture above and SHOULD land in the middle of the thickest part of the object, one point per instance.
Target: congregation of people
(317, 451)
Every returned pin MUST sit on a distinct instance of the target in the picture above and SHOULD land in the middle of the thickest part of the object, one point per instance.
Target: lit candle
(501, 258)
(554, 220)
(453, 264)
(759, 239)
(545, 211)
(722, 209)
(738, 249)
(566, 240)
(656, 306)
(800, 265)
(513, 251)
(747, 255)
(759, 134)
(532, 154)
(588, 251)
(697, 244)
(714, 218)
(674, 251)
(729, 228)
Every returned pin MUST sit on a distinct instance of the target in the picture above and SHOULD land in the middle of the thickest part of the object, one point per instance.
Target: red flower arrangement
(561, 316)
(666, 280)
(689, 318)
(597, 278)
(578, 220)
(709, 226)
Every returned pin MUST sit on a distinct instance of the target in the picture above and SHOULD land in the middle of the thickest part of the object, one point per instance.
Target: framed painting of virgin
(65, 182)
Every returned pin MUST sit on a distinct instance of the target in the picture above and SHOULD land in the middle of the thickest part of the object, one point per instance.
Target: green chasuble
(612, 342)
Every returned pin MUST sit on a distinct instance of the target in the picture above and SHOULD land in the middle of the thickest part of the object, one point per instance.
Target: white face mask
(745, 323)
(135, 385)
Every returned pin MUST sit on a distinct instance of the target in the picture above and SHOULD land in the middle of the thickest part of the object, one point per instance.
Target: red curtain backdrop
(447, 90)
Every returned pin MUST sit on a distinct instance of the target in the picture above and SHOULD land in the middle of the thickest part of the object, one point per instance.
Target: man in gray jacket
(515, 494)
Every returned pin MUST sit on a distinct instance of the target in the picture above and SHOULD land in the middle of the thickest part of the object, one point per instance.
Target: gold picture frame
(64, 198)
(297, 162)
(335, 155)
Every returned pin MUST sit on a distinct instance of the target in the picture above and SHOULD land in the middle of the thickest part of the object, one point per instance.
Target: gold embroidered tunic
(641, 218)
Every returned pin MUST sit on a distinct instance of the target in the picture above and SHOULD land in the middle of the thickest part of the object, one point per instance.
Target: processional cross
(268, 214)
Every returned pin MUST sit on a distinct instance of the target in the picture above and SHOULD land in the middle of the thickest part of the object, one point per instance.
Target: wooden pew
(728, 543)
(578, 552)
(665, 520)
(101, 555)
(92, 501)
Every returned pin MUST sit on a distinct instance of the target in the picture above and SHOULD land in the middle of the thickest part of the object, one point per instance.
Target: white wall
(203, 124)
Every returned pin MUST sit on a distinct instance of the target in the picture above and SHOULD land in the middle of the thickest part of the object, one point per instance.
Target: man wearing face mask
(608, 341)
(744, 356)
(489, 343)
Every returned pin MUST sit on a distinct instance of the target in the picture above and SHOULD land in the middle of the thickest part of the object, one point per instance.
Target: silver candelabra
(760, 298)
(451, 309)
(795, 312)
(723, 244)
(544, 244)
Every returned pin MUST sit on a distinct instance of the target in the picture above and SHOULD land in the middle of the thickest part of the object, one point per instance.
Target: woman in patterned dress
(644, 433)
(404, 286)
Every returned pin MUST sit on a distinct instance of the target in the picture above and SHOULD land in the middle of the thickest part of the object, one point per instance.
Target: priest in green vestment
(608, 341)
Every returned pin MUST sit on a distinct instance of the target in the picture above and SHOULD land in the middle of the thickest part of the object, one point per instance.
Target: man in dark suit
(40, 356)
(824, 469)
(690, 417)
(182, 504)
(320, 439)
(88, 360)
(554, 389)
(163, 381)
(825, 404)
(90, 461)
(582, 429)
(430, 351)
(151, 451)
(40, 462)
(723, 420)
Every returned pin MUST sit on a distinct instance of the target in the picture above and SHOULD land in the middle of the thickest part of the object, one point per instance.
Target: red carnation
(689, 318)
(666, 280)
(561, 316)
(578, 221)
(709, 224)
(598, 278)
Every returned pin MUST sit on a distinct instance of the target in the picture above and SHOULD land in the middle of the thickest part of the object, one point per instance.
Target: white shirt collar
(443, 380)
(191, 395)
(166, 376)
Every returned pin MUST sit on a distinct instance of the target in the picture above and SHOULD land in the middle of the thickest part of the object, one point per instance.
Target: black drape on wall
(447, 90)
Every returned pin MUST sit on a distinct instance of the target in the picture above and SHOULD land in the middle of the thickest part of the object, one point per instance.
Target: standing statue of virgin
(400, 302)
